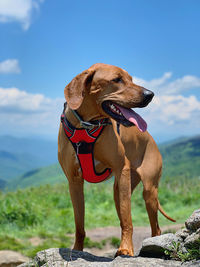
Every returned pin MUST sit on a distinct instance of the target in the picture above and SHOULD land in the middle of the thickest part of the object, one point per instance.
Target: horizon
(46, 44)
(54, 140)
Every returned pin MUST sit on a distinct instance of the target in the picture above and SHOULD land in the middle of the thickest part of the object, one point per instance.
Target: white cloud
(22, 112)
(22, 101)
(163, 86)
(174, 109)
(170, 110)
(18, 10)
(182, 84)
(10, 66)
(153, 83)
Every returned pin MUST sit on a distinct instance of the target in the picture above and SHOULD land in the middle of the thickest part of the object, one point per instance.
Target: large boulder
(156, 246)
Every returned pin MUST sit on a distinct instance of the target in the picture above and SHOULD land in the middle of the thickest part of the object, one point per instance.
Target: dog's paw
(127, 252)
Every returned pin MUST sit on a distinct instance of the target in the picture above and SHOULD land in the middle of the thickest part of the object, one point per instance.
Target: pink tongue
(133, 117)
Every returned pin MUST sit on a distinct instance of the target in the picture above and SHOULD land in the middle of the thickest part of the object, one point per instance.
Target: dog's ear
(74, 92)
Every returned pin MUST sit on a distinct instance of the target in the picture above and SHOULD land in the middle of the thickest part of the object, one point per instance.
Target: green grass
(88, 243)
(115, 242)
(47, 175)
(46, 212)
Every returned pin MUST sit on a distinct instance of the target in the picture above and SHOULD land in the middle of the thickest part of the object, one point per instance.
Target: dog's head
(111, 91)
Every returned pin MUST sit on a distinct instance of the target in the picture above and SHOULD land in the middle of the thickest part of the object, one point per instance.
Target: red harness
(83, 141)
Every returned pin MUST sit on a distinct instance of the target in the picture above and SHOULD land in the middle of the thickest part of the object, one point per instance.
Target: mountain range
(19, 155)
(181, 158)
(28, 162)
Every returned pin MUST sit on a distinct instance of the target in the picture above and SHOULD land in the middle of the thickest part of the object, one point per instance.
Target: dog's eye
(117, 80)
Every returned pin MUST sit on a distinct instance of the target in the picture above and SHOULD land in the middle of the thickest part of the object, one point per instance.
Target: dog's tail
(164, 213)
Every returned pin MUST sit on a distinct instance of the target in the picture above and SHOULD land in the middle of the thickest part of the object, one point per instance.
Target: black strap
(118, 128)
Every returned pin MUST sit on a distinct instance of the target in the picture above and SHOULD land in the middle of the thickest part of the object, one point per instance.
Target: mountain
(47, 175)
(2, 183)
(181, 159)
(19, 155)
(14, 164)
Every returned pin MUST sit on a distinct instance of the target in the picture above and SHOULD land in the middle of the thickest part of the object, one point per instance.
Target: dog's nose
(148, 95)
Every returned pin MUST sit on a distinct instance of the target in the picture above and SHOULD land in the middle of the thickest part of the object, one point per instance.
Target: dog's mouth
(125, 116)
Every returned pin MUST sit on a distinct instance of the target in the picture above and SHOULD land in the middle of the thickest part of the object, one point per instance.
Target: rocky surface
(139, 234)
(152, 252)
(55, 257)
(10, 258)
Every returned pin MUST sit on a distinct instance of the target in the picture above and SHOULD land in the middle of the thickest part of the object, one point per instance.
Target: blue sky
(45, 43)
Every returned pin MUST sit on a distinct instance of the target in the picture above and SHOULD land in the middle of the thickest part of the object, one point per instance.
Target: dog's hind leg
(77, 197)
(150, 172)
(150, 178)
(135, 180)
(150, 195)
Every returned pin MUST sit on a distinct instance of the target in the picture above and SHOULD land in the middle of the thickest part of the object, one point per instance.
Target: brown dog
(105, 91)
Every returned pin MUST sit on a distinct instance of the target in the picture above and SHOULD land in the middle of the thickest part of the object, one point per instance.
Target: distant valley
(19, 155)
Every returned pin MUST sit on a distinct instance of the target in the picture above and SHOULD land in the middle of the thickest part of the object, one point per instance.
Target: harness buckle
(87, 125)
(77, 147)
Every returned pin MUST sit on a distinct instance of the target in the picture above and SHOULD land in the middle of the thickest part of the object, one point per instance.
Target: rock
(55, 257)
(193, 222)
(182, 233)
(192, 241)
(192, 263)
(141, 262)
(10, 258)
(155, 246)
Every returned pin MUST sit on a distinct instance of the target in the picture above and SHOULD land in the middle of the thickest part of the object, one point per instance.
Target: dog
(124, 147)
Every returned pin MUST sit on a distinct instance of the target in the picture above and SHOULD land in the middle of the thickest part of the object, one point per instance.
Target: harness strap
(83, 141)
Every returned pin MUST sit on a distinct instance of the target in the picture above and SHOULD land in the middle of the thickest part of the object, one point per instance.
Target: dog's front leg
(77, 197)
(122, 197)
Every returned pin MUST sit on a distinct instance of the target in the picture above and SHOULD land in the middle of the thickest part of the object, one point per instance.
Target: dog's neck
(71, 118)
(85, 116)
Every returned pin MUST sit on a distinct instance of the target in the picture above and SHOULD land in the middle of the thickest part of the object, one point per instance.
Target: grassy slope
(182, 158)
(19, 155)
(14, 164)
(46, 175)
